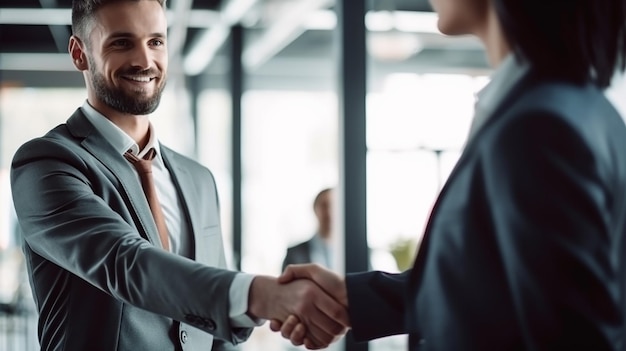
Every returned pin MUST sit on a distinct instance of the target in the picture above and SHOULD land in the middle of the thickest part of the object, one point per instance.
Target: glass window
(289, 151)
(214, 151)
(289, 146)
(416, 127)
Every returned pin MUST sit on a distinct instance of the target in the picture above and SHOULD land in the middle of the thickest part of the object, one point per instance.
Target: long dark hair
(577, 40)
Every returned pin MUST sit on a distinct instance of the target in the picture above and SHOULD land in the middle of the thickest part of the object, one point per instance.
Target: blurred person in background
(112, 267)
(525, 248)
(318, 249)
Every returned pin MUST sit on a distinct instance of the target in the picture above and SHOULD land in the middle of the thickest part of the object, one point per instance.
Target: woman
(524, 249)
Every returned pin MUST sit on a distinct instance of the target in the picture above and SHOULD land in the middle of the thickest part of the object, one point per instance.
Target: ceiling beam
(60, 34)
(410, 21)
(207, 43)
(287, 28)
(36, 62)
(50, 17)
(312, 15)
(63, 17)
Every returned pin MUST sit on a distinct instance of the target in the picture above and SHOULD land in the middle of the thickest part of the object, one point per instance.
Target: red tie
(144, 168)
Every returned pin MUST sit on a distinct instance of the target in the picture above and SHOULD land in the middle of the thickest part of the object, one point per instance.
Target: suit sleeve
(551, 209)
(66, 223)
(377, 304)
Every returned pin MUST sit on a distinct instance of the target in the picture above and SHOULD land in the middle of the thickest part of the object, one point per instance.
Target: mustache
(139, 72)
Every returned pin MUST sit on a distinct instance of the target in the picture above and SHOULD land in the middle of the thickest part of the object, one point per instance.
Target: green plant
(403, 251)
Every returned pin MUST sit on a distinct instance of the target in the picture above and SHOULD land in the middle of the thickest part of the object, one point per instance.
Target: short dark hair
(83, 11)
(319, 196)
(577, 40)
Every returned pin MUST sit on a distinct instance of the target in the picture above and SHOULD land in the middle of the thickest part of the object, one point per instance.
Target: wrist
(259, 297)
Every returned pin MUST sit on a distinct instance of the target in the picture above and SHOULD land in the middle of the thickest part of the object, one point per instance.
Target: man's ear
(77, 52)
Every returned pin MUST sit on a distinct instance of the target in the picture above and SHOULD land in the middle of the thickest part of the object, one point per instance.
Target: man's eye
(121, 43)
(158, 42)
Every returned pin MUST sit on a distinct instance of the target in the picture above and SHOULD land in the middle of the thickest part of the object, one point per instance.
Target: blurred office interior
(280, 99)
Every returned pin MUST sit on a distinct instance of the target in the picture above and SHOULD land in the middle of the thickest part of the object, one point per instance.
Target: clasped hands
(307, 304)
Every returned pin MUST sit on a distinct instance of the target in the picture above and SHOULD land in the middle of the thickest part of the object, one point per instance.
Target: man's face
(127, 56)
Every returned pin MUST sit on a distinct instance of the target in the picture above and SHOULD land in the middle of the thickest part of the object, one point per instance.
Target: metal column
(2, 137)
(352, 88)
(236, 90)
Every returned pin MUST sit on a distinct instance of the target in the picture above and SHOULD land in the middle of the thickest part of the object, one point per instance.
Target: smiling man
(123, 57)
(122, 234)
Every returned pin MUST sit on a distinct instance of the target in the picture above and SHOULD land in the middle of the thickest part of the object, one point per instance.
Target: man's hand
(323, 318)
(331, 283)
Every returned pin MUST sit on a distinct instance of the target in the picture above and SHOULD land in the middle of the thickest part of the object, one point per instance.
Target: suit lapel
(102, 150)
(183, 181)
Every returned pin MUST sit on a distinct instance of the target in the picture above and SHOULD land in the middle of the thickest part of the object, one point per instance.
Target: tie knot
(141, 164)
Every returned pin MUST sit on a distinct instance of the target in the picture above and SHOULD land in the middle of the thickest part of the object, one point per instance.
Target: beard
(121, 101)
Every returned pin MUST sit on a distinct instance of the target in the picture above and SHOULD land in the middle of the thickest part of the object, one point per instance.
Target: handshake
(307, 304)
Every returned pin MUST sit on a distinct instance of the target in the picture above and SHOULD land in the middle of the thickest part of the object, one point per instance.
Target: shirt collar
(120, 141)
(318, 242)
(502, 81)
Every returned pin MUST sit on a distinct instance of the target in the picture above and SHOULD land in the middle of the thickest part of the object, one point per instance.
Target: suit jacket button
(183, 336)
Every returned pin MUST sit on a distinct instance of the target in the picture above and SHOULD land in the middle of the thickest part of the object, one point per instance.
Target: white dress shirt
(320, 251)
(179, 233)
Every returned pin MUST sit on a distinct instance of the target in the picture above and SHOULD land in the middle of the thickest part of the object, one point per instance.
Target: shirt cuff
(238, 293)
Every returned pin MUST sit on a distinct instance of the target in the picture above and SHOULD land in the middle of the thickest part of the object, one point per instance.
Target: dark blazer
(524, 249)
(298, 254)
(98, 279)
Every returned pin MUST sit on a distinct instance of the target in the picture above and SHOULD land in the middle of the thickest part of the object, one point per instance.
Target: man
(318, 248)
(112, 267)
(525, 248)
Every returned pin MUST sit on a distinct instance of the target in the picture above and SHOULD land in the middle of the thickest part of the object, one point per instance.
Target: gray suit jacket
(99, 279)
